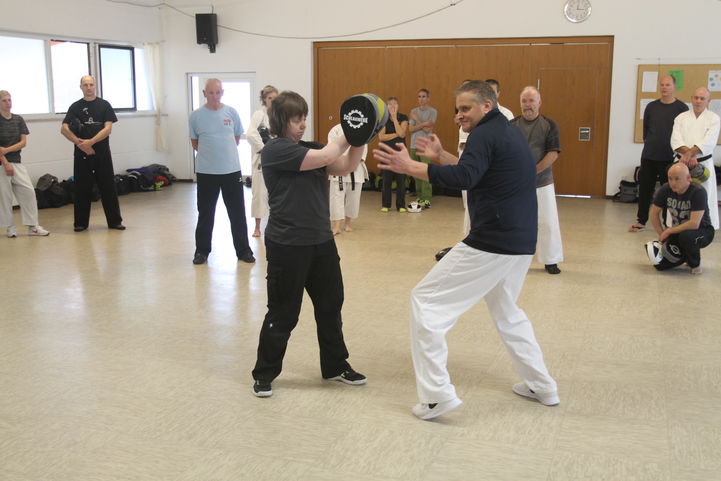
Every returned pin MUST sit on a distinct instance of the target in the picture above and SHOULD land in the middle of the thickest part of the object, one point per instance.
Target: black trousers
(291, 270)
(209, 186)
(90, 169)
(386, 196)
(650, 172)
(690, 242)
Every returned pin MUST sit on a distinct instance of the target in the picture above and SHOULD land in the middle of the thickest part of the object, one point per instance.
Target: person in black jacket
(499, 172)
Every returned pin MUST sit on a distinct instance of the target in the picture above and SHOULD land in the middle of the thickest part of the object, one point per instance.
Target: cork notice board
(688, 78)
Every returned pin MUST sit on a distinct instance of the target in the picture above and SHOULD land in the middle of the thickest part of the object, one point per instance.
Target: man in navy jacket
(498, 170)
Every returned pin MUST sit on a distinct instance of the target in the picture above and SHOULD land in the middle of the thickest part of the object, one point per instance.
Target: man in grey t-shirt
(543, 138)
(421, 122)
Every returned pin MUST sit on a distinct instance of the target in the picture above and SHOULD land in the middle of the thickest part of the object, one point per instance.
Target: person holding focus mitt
(300, 248)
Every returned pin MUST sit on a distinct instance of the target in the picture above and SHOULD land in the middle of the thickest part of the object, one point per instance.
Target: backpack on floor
(627, 192)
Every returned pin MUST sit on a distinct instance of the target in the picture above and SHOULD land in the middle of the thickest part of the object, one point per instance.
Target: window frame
(93, 69)
(101, 46)
(51, 72)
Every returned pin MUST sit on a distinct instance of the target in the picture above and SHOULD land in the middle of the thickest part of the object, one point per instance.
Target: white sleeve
(710, 135)
(676, 134)
(254, 139)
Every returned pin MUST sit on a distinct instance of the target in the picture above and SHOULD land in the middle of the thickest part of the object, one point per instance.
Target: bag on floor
(627, 192)
(122, 184)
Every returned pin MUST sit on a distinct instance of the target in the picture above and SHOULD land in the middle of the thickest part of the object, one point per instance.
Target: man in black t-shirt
(87, 125)
(686, 225)
(392, 134)
(657, 154)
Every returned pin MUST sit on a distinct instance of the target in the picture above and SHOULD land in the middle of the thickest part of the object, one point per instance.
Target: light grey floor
(120, 360)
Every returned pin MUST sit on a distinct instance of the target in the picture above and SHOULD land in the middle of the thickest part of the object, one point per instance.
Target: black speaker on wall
(206, 29)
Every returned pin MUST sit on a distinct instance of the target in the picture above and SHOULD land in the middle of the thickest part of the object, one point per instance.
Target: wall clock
(577, 10)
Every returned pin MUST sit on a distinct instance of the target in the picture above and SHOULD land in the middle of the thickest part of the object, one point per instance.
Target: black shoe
(552, 269)
(262, 389)
(349, 377)
(247, 257)
(199, 258)
(79, 228)
(442, 252)
(117, 227)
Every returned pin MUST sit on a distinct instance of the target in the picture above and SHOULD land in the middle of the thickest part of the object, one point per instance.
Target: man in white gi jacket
(695, 134)
(498, 170)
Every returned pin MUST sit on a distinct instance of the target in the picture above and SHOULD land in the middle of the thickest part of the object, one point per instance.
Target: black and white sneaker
(349, 377)
(262, 389)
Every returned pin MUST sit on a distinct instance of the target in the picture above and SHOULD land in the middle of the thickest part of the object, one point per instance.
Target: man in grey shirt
(543, 138)
(421, 122)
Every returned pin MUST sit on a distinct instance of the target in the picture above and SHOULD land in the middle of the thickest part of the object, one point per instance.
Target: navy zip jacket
(498, 170)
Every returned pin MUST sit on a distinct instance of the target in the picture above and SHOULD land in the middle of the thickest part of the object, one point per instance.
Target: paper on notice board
(714, 80)
(650, 80)
(642, 107)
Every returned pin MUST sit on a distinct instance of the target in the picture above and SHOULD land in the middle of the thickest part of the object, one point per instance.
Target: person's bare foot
(696, 270)
(256, 233)
(348, 228)
(335, 232)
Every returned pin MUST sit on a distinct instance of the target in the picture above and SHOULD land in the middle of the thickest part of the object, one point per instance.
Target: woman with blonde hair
(258, 134)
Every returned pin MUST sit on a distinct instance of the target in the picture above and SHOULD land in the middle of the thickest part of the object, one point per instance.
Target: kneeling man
(687, 225)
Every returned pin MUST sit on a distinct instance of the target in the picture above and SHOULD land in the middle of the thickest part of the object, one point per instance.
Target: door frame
(198, 90)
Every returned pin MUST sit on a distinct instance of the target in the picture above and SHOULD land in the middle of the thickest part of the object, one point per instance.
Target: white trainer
(425, 411)
(547, 399)
(12, 232)
(37, 230)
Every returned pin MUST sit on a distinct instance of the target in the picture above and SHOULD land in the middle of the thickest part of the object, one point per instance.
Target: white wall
(644, 30)
(132, 140)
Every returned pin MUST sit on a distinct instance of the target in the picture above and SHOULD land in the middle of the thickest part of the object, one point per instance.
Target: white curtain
(155, 74)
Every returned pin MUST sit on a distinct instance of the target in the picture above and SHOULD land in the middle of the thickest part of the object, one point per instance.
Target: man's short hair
(493, 81)
(392, 98)
(3, 93)
(531, 88)
(428, 92)
(481, 90)
(86, 75)
(286, 106)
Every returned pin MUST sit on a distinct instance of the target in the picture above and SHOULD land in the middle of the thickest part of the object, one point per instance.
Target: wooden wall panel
(401, 67)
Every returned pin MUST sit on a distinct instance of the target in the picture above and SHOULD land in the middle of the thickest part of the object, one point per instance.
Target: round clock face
(577, 10)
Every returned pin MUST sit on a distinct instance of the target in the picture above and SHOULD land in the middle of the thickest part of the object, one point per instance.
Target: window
(117, 76)
(25, 74)
(69, 62)
(43, 75)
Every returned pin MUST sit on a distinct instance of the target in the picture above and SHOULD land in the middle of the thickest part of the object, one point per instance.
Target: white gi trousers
(549, 249)
(458, 281)
(21, 185)
(346, 202)
(259, 203)
(711, 192)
